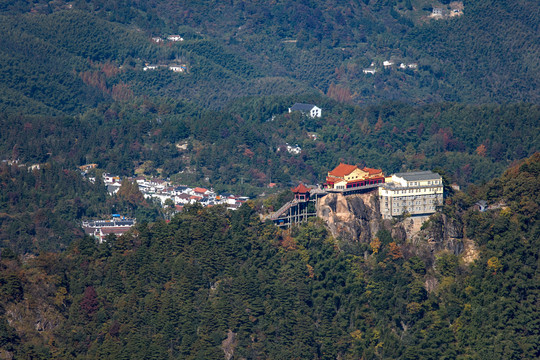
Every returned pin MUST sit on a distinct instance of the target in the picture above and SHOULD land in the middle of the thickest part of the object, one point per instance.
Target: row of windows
(434, 182)
(417, 208)
(421, 196)
(364, 183)
(415, 191)
(414, 198)
(411, 203)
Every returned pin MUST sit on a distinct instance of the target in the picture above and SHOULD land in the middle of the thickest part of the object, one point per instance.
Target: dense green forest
(207, 284)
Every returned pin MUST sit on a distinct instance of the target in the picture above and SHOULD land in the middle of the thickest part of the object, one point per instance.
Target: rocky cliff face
(442, 233)
(357, 218)
(353, 218)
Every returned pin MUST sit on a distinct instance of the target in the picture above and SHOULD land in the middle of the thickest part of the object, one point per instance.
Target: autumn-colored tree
(481, 150)
(395, 251)
(339, 93)
(122, 92)
(89, 303)
(379, 125)
(288, 242)
(129, 192)
(494, 264)
(375, 245)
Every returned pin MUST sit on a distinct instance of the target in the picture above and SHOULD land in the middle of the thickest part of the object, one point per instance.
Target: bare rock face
(357, 218)
(353, 218)
(444, 233)
(229, 344)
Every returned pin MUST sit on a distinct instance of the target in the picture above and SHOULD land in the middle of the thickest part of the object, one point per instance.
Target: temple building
(414, 193)
(346, 176)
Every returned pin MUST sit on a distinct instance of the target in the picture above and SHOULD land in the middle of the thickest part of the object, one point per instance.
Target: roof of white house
(302, 107)
(419, 175)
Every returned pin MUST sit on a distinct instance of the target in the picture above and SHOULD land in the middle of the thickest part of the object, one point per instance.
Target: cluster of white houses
(158, 189)
(372, 69)
(162, 190)
(180, 195)
(174, 38)
(180, 68)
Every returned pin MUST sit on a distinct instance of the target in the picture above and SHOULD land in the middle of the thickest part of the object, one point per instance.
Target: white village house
(175, 38)
(308, 109)
(178, 68)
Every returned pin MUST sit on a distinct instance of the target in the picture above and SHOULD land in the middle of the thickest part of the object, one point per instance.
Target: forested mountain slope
(471, 143)
(206, 285)
(70, 56)
(70, 61)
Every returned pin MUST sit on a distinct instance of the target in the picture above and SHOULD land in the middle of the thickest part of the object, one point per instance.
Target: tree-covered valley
(403, 85)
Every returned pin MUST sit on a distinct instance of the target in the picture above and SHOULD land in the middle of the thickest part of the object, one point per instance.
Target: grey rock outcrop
(357, 218)
(353, 218)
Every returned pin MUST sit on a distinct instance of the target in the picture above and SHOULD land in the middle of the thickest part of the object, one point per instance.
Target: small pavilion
(301, 192)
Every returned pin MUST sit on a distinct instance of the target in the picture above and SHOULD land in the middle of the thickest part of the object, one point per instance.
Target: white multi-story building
(414, 193)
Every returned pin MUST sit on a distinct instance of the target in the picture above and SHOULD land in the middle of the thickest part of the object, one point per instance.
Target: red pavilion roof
(301, 189)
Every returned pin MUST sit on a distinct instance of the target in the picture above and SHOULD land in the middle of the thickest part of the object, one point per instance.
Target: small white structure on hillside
(177, 68)
(410, 66)
(294, 149)
(150, 67)
(175, 38)
(308, 109)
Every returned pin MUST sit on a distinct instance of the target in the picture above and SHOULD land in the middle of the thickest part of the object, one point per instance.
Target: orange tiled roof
(200, 190)
(302, 189)
(332, 179)
(342, 169)
(371, 171)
